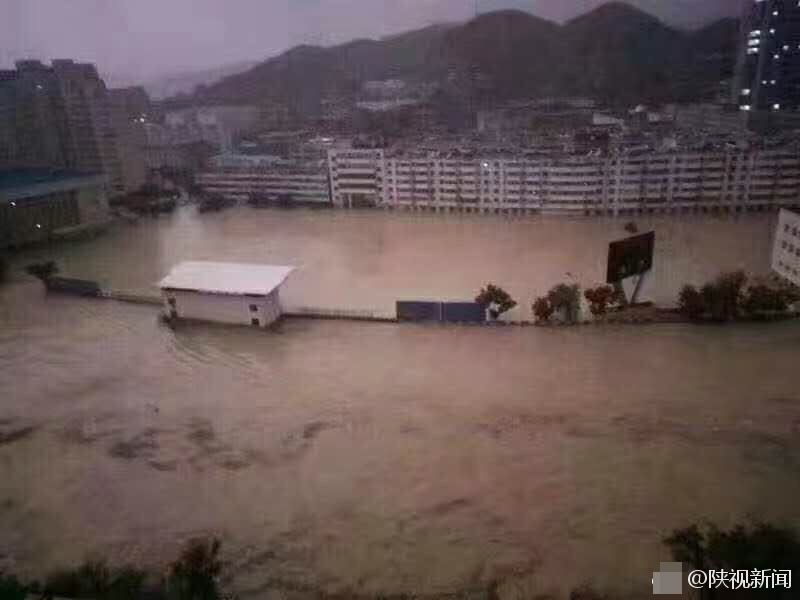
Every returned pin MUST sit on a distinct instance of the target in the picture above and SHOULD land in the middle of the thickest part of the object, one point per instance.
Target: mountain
(186, 83)
(683, 14)
(618, 52)
(506, 54)
(615, 53)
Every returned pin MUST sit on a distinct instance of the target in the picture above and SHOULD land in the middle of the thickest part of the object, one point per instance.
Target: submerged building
(234, 293)
(268, 179)
(40, 204)
(623, 183)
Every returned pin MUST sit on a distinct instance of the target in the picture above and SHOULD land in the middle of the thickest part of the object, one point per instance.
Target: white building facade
(271, 179)
(357, 177)
(731, 181)
(232, 293)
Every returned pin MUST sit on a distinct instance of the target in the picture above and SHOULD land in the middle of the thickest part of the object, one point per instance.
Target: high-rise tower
(768, 65)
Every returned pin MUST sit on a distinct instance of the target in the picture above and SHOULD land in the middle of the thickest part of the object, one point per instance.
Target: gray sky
(134, 40)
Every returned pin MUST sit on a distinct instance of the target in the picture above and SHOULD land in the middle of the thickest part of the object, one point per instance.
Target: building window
(171, 301)
(253, 308)
(255, 322)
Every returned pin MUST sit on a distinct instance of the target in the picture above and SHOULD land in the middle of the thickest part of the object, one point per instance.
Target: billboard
(463, 312)
(441, 312)
(631, 256)
(419, 311)
(786, 246)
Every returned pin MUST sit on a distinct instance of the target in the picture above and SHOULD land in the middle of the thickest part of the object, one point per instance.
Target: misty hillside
(186, 83)
(615, 53)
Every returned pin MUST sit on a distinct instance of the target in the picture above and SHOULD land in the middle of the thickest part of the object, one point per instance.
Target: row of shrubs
(728, 297)
(192, 576)
(563, 299)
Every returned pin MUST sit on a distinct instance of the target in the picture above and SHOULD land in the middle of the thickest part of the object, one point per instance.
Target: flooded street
(381, 457)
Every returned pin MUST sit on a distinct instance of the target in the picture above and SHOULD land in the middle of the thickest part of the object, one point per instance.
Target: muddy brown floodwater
(380, 457)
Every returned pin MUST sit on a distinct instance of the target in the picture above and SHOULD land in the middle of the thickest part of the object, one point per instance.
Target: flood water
(382, 457)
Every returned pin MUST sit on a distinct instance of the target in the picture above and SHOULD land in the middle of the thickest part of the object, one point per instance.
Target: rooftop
(225, 278)
(17, 184)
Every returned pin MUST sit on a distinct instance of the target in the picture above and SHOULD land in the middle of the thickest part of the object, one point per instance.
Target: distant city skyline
(136, 42)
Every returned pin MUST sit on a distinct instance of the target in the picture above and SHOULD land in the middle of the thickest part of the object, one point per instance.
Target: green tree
(194, 575)
(566, 299)
(723, 297)
(600, 298)
(97, 581)
(760, 546)
(42, 270)
(762, 298)
(12, 589)
(495, 299)
(691, 303)
(542, 309)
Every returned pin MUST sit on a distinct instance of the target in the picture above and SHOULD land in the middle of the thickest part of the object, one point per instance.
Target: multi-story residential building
(620, 184)
(268, 179)
(768, 66)
(61, 116)
(34, 126)
(216, 125)
(88, 111)
(715, 118)
(130, 111)
(357, 177)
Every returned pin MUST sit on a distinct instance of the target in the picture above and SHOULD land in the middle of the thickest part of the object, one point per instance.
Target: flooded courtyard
(380, 457)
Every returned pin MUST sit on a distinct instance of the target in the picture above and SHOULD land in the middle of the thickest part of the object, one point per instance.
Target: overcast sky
(137, 40)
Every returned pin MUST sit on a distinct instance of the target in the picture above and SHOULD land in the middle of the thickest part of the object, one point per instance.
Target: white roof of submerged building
(225, 278)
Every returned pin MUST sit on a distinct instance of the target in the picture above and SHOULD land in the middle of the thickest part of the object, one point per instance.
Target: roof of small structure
(20, 184)
(225, 278)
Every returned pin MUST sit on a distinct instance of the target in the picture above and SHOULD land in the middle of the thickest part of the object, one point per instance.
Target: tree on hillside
(495, 299)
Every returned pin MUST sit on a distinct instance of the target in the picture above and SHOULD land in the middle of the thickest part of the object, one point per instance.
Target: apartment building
(88, 111)
(62, 116)
(268, 179)
(34, 127)
(626, 183)
(768, 69)
(357, 177)
(130, 110)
